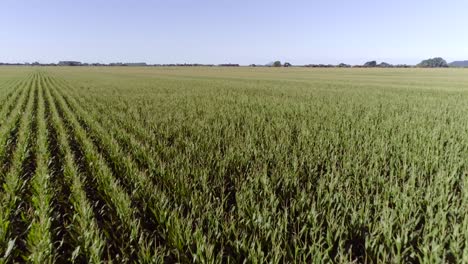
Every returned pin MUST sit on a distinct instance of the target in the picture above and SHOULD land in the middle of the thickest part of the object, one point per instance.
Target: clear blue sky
(236, 31)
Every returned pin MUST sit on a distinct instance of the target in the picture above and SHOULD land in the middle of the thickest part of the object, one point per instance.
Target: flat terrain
(230, 165)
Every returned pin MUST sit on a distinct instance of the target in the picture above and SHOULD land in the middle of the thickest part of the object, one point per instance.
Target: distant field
(232, 165)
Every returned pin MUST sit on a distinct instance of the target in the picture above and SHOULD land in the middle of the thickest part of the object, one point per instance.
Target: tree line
(436, 62)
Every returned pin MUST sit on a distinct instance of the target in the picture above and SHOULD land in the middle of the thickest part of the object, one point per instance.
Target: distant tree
(433, 63)
(402, 66)
(384, 65)
(370, 64)
(459, 64)
(277, 64)
(69, 63)
(287, 64)
(229, 65)
(343, 65)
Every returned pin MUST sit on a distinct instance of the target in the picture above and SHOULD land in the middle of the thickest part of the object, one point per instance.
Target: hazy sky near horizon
(241, 31)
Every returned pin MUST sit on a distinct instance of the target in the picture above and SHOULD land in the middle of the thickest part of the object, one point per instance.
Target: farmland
(218, 165)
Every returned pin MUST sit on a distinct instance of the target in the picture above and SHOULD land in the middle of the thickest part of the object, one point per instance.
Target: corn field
(212, 165)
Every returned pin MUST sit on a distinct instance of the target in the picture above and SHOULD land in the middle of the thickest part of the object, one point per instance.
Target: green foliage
(370, 64)
(212, 165)
(277, 64)
(433, 63)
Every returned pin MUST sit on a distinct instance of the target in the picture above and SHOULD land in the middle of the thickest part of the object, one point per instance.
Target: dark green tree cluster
(433, 63)
(370, 64)
(277, 64)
